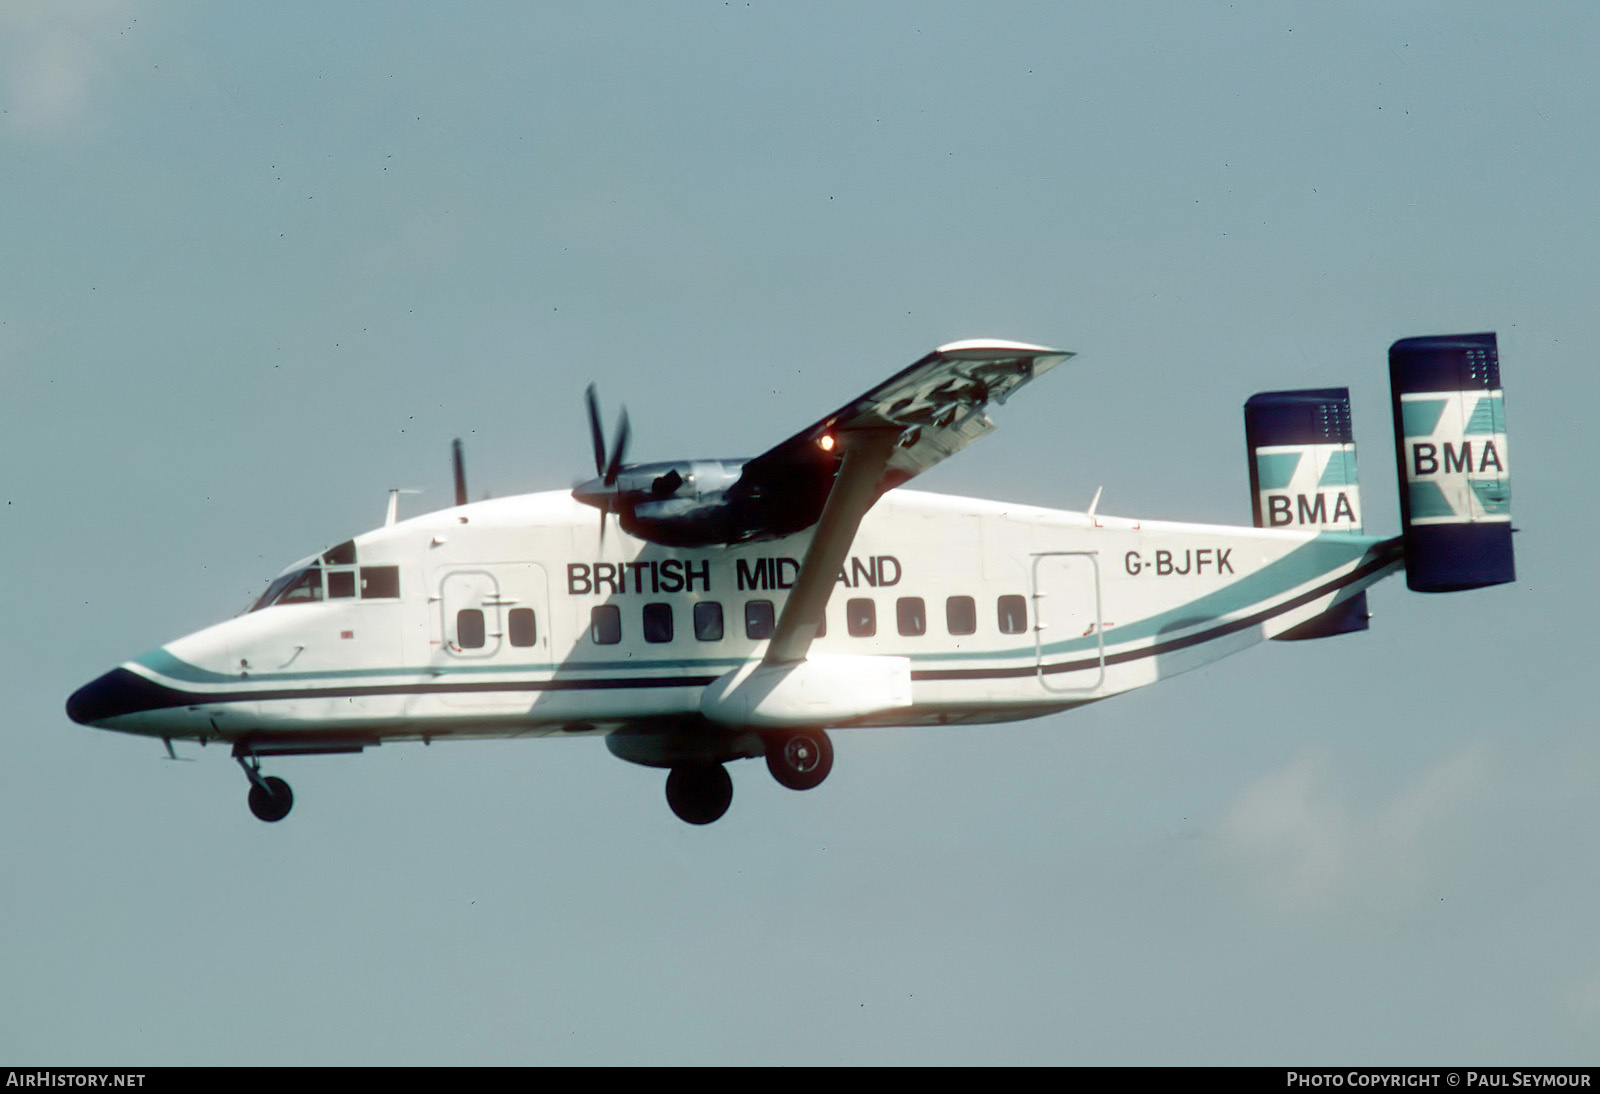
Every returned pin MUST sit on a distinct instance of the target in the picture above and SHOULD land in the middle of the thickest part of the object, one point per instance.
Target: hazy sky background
(262, 262)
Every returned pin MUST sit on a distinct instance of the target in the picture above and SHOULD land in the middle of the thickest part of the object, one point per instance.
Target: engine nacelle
(705, 503)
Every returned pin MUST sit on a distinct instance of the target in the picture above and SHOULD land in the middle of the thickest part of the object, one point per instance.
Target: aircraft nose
(117, 692)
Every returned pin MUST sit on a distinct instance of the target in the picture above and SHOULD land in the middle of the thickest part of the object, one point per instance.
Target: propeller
(606, 469)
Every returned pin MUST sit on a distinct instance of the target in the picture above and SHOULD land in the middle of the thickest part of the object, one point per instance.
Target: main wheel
(699, 794)
(801, 760)
(274, 803)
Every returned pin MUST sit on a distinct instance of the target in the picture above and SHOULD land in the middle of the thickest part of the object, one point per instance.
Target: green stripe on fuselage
(1323, 555)
(1319, 557)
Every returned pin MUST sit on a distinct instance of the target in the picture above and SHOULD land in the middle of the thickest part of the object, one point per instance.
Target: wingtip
(981, 348)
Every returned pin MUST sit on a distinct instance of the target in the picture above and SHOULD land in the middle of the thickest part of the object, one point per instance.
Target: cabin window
(380, 582)
(961, 615)
(911, 615)
(861, 617)
(522, 628)
(341, 584)
(1013, 612)
(758, 619)
(658, 622)
(605, 624)
(342, 555)
(469, 629)
(708, 621)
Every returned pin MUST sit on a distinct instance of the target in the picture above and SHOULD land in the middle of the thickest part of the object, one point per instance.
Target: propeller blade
(614, 468)
(596, 434)
(458, 464)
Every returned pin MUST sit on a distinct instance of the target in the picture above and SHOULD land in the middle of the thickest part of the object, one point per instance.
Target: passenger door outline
(1066, 602)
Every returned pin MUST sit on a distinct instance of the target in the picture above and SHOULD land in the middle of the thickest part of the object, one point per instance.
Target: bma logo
(1426, 459)
(1284, 509)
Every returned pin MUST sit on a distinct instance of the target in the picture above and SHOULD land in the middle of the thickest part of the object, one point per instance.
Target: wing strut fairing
(866, 454)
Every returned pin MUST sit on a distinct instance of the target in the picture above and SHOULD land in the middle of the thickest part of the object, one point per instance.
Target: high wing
(874, 443)
(930, 410)
(935, 406)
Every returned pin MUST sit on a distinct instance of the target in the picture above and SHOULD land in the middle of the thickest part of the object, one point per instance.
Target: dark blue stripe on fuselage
(1390, 552)
(121, 692)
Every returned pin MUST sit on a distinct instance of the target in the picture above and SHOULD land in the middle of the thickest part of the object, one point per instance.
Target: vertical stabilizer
(1455, 475)
(1303, 460)
(1302, 455)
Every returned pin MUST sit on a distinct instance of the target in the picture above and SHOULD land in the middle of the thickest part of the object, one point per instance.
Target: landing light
(825, 442)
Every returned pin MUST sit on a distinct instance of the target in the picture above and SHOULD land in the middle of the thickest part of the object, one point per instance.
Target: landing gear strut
(800, 760)
(699, 793)
(270, 797)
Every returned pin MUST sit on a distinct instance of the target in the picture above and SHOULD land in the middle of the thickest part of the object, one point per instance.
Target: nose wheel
(270, 797)
(272, 800)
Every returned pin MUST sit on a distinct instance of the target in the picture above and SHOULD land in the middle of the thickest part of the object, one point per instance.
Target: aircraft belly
(497, 708)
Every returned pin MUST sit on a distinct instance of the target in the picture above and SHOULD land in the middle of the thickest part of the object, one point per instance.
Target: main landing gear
(699, 793)
(700, 790)
(801, 760)
(270, 797)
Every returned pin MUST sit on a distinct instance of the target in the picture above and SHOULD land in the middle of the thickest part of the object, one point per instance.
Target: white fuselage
(512, 617)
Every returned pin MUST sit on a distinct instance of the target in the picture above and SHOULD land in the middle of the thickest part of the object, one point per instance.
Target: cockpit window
(305, 585)
(342, 555)
(304, 589)
(302, 586)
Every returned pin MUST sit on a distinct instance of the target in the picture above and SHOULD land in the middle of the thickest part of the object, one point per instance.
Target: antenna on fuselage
(459, 466)
(392, 514)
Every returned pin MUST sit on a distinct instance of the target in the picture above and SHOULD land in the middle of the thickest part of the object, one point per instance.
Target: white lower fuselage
(967, 611)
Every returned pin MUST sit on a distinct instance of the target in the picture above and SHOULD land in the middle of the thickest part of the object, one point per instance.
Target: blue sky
(264, 262)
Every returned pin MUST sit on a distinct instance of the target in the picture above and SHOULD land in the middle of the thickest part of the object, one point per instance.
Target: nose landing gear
(270, 797)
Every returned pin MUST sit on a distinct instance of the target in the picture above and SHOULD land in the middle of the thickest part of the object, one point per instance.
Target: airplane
(742, 609)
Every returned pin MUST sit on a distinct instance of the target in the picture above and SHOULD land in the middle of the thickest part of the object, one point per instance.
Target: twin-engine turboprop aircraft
(743, 608)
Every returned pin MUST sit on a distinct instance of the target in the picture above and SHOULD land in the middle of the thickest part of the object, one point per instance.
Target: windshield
(302, 586)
